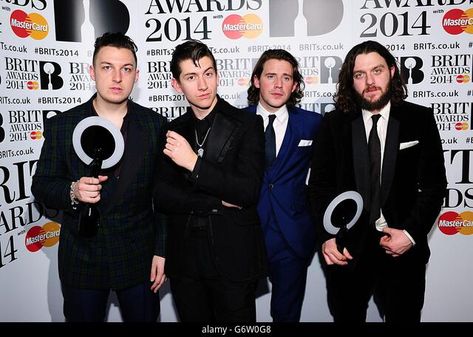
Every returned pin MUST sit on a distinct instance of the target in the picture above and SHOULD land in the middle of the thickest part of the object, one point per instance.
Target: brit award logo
(306, 18)
(83, 20)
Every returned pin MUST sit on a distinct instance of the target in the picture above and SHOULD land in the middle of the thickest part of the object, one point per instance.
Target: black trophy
(341, 214)
(99, 144)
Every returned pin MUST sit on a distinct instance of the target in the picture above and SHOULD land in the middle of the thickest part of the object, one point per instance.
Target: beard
(374, 105)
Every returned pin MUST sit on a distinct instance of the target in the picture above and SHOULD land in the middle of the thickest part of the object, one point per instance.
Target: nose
(202, 83)
(369, 78)
(278, 82)
(117, 76)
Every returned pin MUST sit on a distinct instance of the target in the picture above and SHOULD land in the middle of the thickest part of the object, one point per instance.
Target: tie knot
(375, 118)
(271, 117)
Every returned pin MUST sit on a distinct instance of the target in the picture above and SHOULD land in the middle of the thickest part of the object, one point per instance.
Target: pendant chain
(200, 145)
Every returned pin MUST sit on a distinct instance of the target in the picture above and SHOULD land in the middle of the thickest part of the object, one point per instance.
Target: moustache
(372, 88)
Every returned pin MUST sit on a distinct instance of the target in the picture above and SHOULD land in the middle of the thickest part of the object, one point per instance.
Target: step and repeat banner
(46, 50)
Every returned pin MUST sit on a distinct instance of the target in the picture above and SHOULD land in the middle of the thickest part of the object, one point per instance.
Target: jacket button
(271, 186)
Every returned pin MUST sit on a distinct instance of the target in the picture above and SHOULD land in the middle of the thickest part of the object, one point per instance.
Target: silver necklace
(200, 150)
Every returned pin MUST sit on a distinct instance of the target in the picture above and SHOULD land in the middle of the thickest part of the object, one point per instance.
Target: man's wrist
(72, 195)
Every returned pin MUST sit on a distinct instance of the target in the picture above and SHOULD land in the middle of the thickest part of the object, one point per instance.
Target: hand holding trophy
(100, 145)
(337, 215)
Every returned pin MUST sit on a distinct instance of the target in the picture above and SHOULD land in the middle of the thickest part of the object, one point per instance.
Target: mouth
(204, 96)
(370, 90)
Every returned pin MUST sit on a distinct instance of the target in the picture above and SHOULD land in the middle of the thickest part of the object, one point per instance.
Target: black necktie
(374, 147)
(270, 141)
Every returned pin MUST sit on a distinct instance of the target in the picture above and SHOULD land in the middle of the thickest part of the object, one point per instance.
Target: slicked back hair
(190, 50)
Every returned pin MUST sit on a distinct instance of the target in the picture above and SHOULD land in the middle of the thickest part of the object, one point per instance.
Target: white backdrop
(46, 49)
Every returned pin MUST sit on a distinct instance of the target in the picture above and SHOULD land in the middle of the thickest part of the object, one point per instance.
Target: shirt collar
(281, 115)
(384, 112)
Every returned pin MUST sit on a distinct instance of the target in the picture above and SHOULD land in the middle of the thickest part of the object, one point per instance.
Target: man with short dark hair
(208, 186)
(127, 253)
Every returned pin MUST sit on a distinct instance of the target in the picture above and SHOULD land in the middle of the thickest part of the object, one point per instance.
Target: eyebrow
(194, 73)
(283, 74)
(377, 66)
(110, 63)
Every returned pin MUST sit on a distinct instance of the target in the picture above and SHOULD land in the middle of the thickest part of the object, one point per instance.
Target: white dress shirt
(382, 128)
(279, 124)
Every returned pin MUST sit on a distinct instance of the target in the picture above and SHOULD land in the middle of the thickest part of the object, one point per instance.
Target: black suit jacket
(413, 182)
(130, 233)
(231, 170)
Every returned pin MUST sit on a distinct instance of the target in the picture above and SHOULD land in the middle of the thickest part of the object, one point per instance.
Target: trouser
(137, 304)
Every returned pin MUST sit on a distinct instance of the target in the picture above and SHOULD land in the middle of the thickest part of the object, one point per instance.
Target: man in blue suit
(276, 87)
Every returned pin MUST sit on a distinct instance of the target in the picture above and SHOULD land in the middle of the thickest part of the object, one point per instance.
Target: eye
(358, 76)
(287, 79)
(377, 71)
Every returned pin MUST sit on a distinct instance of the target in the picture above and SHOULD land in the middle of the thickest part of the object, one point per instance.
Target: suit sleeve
(51, 184)
(160, 219)
(239, 184)
(431, 181)
(322, 180)
(174, 191)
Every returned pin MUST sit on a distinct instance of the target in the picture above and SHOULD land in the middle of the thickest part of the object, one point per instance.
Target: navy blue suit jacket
(283, 201)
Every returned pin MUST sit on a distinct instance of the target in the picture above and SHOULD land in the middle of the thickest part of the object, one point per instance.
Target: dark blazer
(283, 200)
(129, 233)
(413, 182)
(231, 170)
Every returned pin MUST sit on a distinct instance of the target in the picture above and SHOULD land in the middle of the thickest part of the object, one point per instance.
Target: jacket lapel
(131, 158)
(287, 143)
(220, 137)
(361, 159)
(391, 149)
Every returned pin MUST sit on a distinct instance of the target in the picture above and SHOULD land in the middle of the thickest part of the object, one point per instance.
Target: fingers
(157, 276)
(347, 254)
(227, 204)
(87, 189)
(179, 150)
(327, 259)
(174, 141)
(333, 256)
(158, 282)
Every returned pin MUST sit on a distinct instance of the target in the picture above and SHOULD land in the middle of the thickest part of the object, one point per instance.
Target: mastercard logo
(462, 78)
(451, 223)
(243, 81)
(32, 85)
(46, 236)
(235, 26)
(460, 126)
(457, 21)
(36, 135)
(33, 24)
(311, 79)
